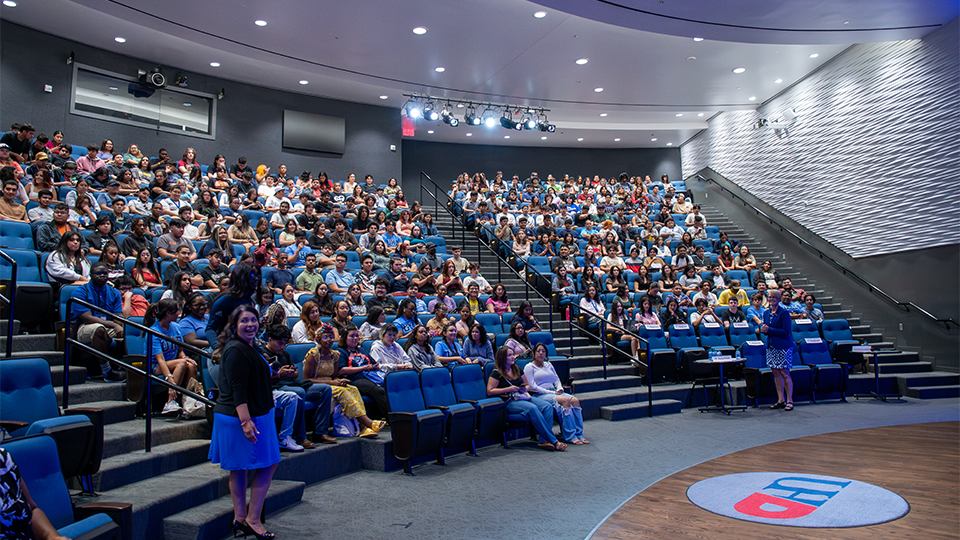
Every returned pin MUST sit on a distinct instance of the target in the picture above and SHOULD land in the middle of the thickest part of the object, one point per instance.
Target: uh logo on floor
(797, 500)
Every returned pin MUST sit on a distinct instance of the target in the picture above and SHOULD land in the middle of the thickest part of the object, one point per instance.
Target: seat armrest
(401, 416)
(470, 401)
(12, 425)
(120, 512)
(438, 407)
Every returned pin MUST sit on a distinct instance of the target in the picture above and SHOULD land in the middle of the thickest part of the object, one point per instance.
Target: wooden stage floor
(919, 462)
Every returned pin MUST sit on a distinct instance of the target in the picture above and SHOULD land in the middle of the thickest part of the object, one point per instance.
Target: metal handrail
(846, 271)
(148, 377)
(10, 301)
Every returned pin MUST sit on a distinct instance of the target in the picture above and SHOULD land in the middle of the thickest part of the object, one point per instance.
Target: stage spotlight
(471, 117)
(412, 109)
(430, 113)
(451, 121)
(529, 122)
(489, 117)
(508, 122)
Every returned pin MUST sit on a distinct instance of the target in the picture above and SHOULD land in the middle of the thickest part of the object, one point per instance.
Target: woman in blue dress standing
(777, 327)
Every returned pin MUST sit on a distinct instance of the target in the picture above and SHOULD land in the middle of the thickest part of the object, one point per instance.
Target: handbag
(191, 407)
(376, 376)
(343, 426)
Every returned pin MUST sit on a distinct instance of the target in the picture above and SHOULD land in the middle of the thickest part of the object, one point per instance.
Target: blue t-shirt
(190, 324)
(162, 346)
(391, 240)
(301, 257)
(106, 297)
(445, 350)
(405, 326)
(342, 281)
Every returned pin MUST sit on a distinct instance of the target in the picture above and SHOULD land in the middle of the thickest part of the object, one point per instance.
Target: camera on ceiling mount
(153, 78)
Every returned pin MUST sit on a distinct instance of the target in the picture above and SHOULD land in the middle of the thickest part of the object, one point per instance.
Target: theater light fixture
(442, 109)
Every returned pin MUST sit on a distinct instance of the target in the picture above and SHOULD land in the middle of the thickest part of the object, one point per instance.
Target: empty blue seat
(470, 386)
(16, 235)
(740, 333)
(460, 419)
(28, 265)
(839, 339)
(713, 336)
(828, 378)
(683, 339)
(803, 329)
(491, 322)
(416, 430)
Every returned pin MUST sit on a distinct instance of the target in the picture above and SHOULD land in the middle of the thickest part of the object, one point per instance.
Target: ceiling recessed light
(598, 89)
(582, 61)
(752, 98)
(540, 14)
(580, 139)
(669, 144)
(543, 138)
(469, 134)
(430, 131)
(384, 97)
(698, 39)
(260, 22)
(419, 30)
(679, 114)
(739, 70)
(778, 81)
(699, 114)
(691, 59)
(187, 104)
(114, 88)
(304, 82)
(653, 139)
(440, 69)
(814, 55)
(9, 3)
(846, 22)
(616, 140)
(120, 39)
(603, 115)
(214, 64)
(506, 136)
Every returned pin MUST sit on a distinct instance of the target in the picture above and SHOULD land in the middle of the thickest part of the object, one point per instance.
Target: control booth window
(131, 100)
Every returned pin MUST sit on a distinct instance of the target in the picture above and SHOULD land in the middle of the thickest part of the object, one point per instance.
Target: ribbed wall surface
(871, 163)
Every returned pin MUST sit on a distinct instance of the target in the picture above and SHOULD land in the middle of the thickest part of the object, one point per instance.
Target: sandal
(778, 405)
(560, 447)
(546, 446)
(577, 442)
(584, 441)
(788, 406)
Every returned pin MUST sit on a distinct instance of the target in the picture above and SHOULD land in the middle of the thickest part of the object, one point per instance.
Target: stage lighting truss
(514, 118)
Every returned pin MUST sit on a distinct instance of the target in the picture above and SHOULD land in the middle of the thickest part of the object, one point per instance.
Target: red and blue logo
(797, 500)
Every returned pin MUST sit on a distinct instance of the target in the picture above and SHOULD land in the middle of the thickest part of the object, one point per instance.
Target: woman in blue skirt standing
(244, 431)
(778, 328)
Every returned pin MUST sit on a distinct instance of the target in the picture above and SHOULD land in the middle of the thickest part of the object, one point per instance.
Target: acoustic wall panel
(872, 159)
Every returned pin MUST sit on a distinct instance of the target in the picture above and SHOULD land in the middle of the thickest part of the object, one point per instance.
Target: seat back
(804, 328)
(468, 382)
(738, 274)
(436, 387)
(134, 339)
(813, 351)
(682, 336)
(712, 335)
(28, 265)
(836, 329)
(36, 457)
(490, 322)
(740, 333)
(26, 391)
(298, 351)
(403, 391)
(16, 235)
(500, 340)
(654, 336)
(754, 354)
(547, 339)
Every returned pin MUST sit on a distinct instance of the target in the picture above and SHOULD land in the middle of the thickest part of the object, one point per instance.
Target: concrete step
(54, 358)
(591, 402)
(131, 467)
(933, 392)
(3, 326)
(213, 520)
(628, 411)
(596, 372)
(902, 367)
(893, 357)
(610, 383)
(30, 342)
(115, 411)
(933, 378)
(78, 375)
(129, 436)
(93, 390)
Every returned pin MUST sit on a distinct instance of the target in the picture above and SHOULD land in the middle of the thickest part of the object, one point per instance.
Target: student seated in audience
(545, 384)
(10, 208)
(744, 260)
(168, 359)
(717, 278)
(100, 236)
(388, 354)
(95, 328)
(475, 277)
(704, 314)
(810, 311)
(449, 351)
(169, 244)
(67, 263)
(338, 279)
(734, 292)
(298, 251)
(365, 277)
(280, 275)
(677, 292)
(342, 318)
(705, 293)
(691, 280)
(508, 383)
(381, 299)
(288, 302)
(734, 314)
(611, 260)
(182, 264)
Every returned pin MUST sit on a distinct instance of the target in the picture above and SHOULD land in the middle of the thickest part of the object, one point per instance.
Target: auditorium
(376, 270)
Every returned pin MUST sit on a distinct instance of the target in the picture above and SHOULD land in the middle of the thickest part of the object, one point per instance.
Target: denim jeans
(571, 418)
(321, 395)
(539, 413)
(292, 407)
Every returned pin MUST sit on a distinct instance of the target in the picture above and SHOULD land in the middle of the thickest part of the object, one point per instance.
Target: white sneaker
(289, 444)
(172, 407)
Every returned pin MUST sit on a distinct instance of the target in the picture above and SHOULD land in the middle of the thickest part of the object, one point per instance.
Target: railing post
(66, 355)
(10, 311)
(603, 341)
(570, 321)
(526, 280)
(148, 389)
(550, 311)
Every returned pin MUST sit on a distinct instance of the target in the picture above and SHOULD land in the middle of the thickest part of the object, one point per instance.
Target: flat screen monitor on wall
(315, 132)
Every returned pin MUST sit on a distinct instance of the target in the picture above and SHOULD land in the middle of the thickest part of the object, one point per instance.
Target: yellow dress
(347, 396)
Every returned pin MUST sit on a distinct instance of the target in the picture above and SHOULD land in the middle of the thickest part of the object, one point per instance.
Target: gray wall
(249, 119)
(445, 161)
(871, 163)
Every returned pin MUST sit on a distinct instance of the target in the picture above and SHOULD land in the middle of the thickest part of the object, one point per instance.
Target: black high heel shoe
(238, 529)
(248, 530)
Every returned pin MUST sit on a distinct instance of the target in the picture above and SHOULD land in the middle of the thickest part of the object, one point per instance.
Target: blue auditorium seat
(16, 235)
(416, 430)
(460, 419)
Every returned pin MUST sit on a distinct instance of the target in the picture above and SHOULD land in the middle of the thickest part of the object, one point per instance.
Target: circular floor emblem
(797, 500)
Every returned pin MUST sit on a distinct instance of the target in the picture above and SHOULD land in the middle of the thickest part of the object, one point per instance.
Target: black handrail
(10, 301)
(148, 377)
(846, 271)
